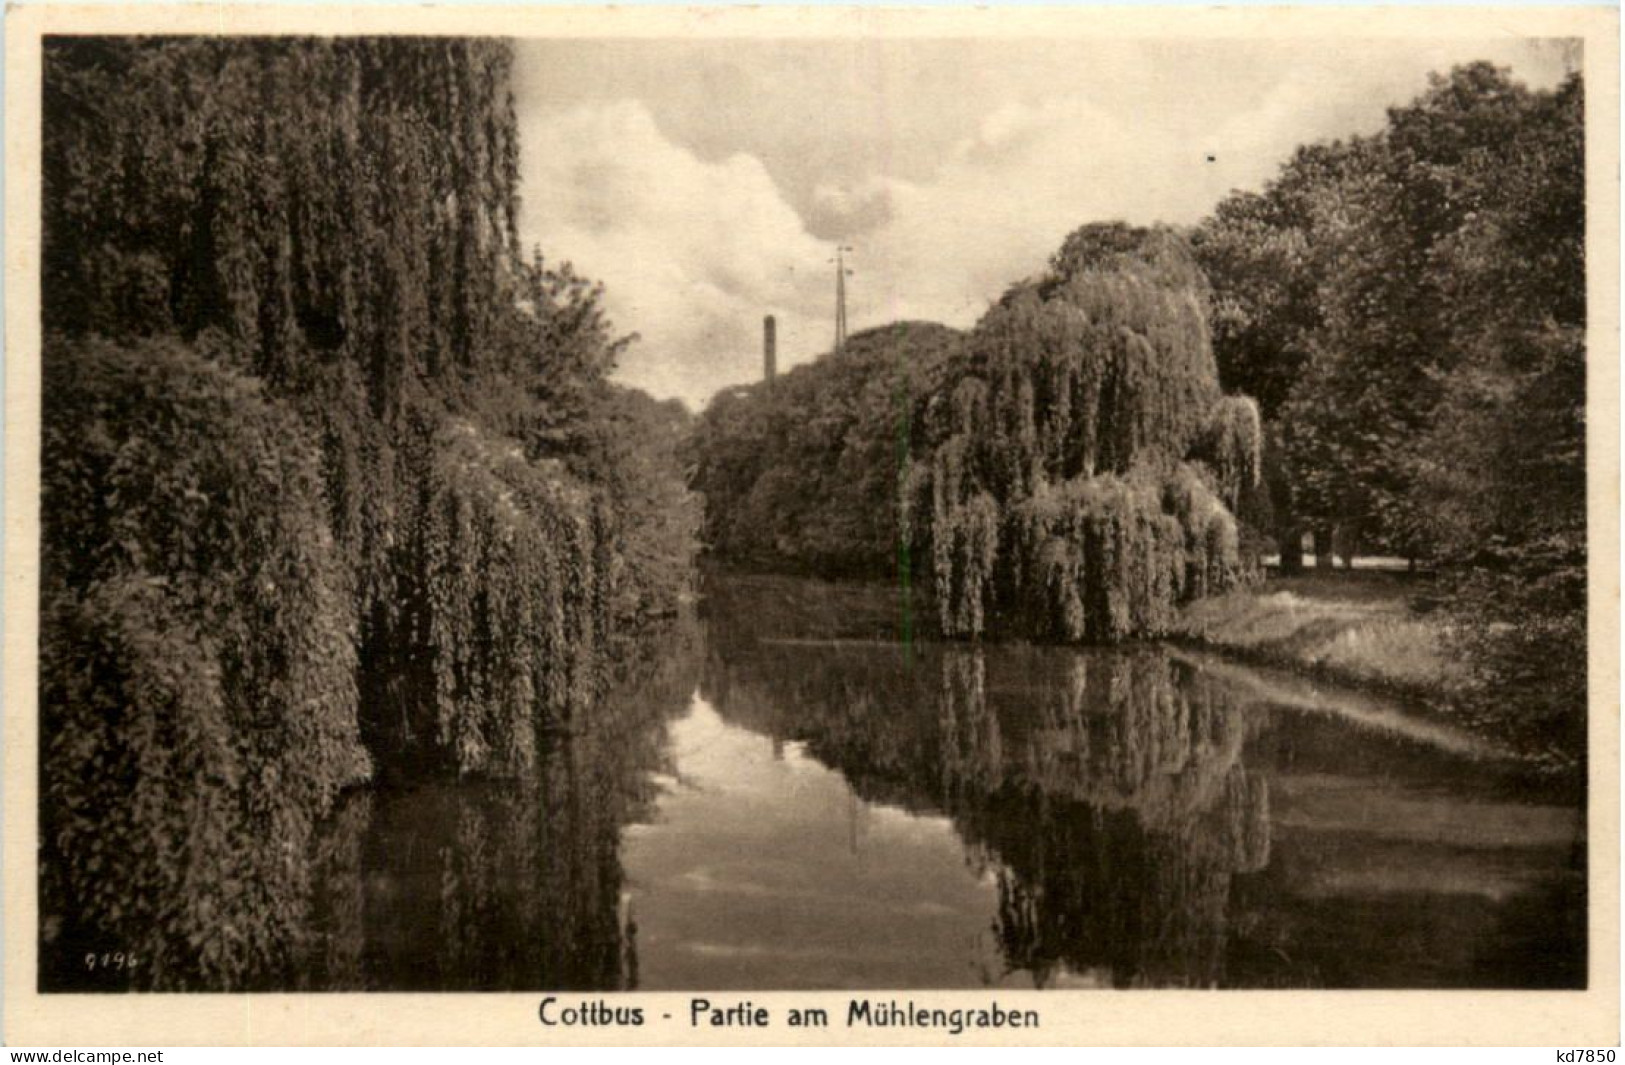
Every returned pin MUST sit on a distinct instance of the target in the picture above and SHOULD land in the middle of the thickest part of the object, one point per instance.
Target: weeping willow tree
(1082, 463)
(321, 493)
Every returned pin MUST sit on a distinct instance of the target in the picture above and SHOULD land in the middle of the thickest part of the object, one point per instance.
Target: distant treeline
(333, 482)
(1068, 469)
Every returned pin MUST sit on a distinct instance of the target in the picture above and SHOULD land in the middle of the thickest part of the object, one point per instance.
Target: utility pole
(841, 274)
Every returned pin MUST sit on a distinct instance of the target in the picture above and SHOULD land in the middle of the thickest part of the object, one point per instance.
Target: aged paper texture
(702, 195)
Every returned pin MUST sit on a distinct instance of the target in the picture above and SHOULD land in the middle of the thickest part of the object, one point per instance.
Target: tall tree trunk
(1347, 539)
(1323, 548)
(1290, 544)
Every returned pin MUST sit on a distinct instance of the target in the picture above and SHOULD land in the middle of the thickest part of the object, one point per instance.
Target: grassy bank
(1357, 628)
(1377, 631)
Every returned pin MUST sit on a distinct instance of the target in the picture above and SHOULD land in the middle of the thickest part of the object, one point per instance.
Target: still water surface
(787, 797)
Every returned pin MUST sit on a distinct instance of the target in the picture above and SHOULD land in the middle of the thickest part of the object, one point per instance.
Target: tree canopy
(1410, 310)
(802, 472)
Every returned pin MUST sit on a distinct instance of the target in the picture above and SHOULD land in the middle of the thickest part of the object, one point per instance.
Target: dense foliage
(1067, 470)
(803, 472)
(1081, 455)
(198, 687)
(1409, 308)
(635, 451)
(328, 463)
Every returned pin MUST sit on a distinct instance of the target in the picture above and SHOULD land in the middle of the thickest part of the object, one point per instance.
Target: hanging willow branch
(1085, 470)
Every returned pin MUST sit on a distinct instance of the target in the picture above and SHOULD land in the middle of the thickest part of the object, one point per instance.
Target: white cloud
(695, 246)
(692, 253)
(1006, 199)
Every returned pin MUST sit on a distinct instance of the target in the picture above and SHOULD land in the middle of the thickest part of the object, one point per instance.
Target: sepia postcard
(938, 526)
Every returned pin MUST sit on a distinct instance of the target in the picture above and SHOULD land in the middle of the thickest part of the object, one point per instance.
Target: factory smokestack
(770, 348)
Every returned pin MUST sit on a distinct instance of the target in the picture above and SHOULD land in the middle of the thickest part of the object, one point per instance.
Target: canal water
(782, 795)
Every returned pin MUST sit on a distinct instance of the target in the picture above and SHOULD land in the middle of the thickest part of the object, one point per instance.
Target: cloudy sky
(707, 182)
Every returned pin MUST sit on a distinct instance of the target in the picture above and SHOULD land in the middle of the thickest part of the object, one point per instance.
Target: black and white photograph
(877, 513)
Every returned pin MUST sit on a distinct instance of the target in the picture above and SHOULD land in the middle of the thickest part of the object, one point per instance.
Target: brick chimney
(770, 348)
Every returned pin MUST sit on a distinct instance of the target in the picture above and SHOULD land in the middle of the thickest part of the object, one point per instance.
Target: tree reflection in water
(1103, 790)
(493, 886)
(1106, 795)
(1125, 818)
